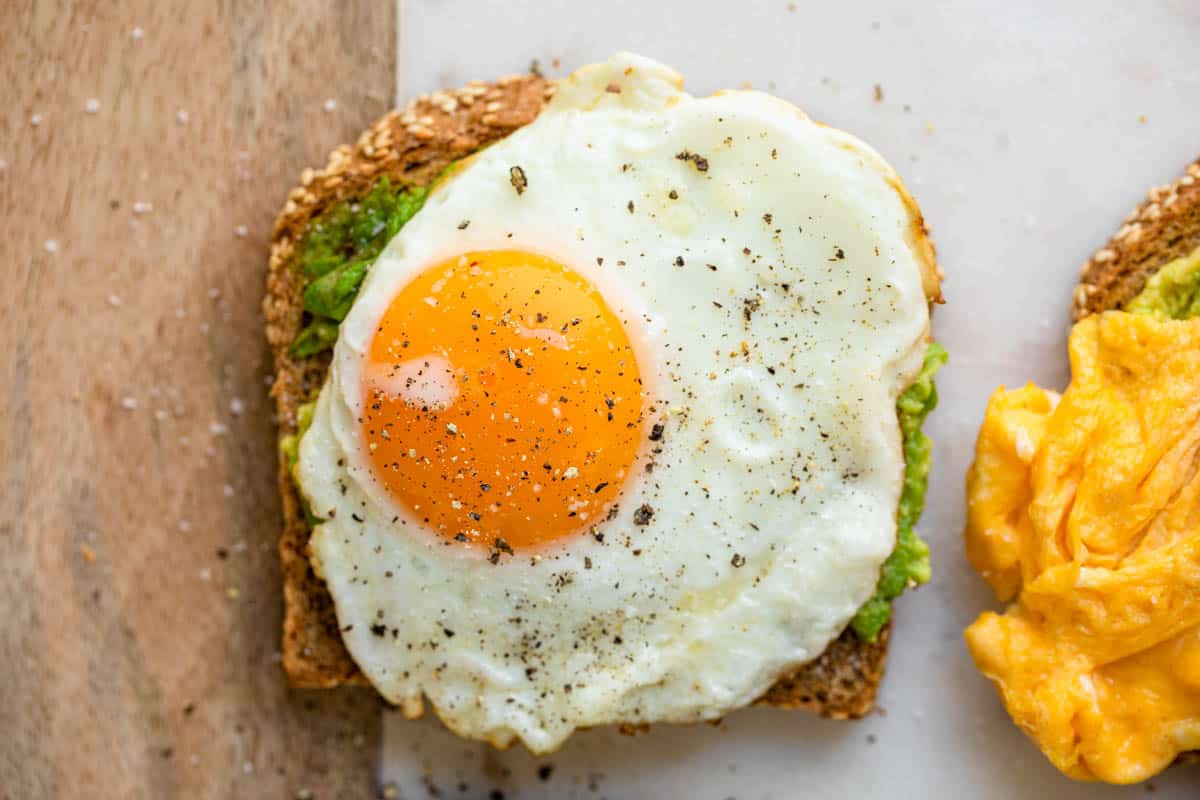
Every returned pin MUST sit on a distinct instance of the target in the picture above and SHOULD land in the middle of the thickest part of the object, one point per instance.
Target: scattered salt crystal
(214, 293)
(142, 207)
(238, 547)
(3, 165)
(236, 406)
(184, 526)
(182, 116)
(35, 120)
(205, 574)
(240, 230)
(217, 428)
(114, 300)
(136, 34)
(330, 104)
(51, 245)
(247, 767)
(129, 403)
(160, 414)
(92, 105)
(228, 490)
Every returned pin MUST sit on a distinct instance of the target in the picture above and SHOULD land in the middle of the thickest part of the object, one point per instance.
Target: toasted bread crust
(411, 148)
(1164, 227)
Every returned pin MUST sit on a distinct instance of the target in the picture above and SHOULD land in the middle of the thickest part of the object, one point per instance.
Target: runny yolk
(502, 401)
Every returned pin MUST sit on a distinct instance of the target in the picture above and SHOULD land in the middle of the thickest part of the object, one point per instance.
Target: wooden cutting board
(146, 149)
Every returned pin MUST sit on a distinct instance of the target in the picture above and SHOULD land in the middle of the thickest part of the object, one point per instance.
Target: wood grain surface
(146, 148)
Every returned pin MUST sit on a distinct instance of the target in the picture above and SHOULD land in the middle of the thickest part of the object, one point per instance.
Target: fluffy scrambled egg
(1084, 510)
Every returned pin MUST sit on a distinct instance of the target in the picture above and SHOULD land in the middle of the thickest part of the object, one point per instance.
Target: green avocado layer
(1173, 292)
(343, 242)
(338, 249)
(908, 565)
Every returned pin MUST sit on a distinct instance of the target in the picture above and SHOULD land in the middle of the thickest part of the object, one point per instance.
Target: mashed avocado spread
(908, 565)
(339, 247)
(1173, 292)
(343, 242)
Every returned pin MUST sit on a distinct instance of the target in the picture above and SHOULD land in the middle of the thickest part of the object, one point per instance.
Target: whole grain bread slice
(412, 147)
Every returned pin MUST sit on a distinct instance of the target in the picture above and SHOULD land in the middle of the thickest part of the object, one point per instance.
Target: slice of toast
(1163, 227)
(411, 148)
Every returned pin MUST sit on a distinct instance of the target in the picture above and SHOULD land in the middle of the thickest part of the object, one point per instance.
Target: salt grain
(206, 574)
(142, 207)
(3, 165)
(184, 526)
(330, 104)
(228, 490)
(182, 116)
(236, 406)
(114, 300)
(91, 106)
(214, 293)
(247, 767)
(160, 414)
(51, 246)
(217, 428)
(240, 230)
(129, 403)
(136, 34)
(35, 120)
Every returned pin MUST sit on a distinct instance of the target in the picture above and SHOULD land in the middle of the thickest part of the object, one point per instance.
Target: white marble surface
(1026, 130)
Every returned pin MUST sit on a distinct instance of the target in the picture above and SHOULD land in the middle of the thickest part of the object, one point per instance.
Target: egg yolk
(503, 406)
(1085, 511)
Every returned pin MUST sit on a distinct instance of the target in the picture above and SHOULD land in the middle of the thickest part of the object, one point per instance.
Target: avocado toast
(332, 226)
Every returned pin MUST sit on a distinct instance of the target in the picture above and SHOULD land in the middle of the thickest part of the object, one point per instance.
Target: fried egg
(609, 434)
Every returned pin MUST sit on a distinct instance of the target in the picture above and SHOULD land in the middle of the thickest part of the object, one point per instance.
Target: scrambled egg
(1085, 508)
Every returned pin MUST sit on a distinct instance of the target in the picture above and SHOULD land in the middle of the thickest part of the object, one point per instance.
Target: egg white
(779, 472)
